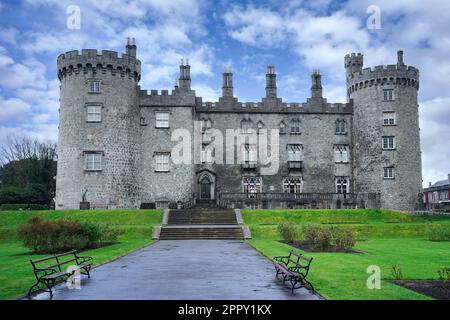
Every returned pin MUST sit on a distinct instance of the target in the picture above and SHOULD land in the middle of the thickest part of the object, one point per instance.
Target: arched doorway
(205, 187)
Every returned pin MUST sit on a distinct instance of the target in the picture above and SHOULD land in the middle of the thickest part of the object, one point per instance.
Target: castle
(117, 146)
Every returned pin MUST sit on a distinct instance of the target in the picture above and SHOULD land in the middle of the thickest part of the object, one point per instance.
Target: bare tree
(16, 148)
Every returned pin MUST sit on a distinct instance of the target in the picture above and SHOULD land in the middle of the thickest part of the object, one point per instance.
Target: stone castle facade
(116, 145)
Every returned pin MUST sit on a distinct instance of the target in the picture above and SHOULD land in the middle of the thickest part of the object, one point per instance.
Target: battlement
(92, 60)
(354, 57)
(164, 98)
(395, 74)
(272, 107)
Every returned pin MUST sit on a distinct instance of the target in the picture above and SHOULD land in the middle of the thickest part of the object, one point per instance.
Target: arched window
(295, 126)
(340, 126)
(342, 185)
(292, 184)
(282, 127)
(251, 185)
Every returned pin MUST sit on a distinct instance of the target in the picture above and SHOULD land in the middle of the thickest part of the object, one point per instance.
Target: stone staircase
(202, 222)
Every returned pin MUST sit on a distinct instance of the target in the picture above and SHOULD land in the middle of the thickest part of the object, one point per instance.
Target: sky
(296, 36)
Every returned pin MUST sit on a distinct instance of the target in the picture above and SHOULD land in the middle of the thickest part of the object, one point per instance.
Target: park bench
(293, 268)
(53, 269)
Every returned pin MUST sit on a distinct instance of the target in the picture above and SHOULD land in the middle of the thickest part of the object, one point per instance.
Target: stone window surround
(340, 124)
(394, 144)
(296, 181)
(387, 112)
(341, 148)
(161, 153)
(388, 97)
(89, 152)
(389, 173)
(94, 104)
(88, 82)
(344, 181)
(168, 121)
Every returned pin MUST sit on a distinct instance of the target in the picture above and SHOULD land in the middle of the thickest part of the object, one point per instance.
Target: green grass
(16, 275)
(390, 238)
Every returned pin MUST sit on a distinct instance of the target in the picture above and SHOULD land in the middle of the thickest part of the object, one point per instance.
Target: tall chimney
(131, 47)
(400, 62)
(316, 85)
(271, 82)
(227, 83)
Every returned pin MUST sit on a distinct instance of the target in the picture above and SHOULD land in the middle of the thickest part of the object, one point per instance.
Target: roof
(440, 185)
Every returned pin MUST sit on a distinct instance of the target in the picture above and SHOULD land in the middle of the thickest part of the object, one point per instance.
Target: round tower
(386, 139)
(98, 153)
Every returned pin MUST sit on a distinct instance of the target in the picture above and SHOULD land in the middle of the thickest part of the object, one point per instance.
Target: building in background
(437, 195)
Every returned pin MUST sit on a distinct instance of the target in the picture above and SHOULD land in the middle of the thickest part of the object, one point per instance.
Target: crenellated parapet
(310, 106)
(397, 74)
(105, 61)
(164, 98)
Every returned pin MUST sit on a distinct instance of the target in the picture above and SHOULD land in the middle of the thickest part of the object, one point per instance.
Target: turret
(353, 63)
(97, 145)
(271, 82)
(386, 131)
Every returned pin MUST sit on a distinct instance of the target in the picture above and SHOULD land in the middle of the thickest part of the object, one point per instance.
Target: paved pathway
(187, 269)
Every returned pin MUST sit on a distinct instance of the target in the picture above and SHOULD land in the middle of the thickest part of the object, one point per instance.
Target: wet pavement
(185, 270)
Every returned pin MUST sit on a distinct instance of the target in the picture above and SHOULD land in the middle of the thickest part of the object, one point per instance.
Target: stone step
(181, 233)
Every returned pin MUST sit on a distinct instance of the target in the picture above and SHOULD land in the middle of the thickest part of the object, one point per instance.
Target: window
(207, 152)
(341, 154)
(388, 173)
(295, 126)
(162, 119)
(342, 185)
(282, 127)
(251, 184)
(249, 153)
(292, 185)
(340, 126)
(295, 152)
(94, 113)
(206, 124)
(389, 118)
(94, 86)
(388, 143)
(388, 95)
(162, 162)
(93, 161)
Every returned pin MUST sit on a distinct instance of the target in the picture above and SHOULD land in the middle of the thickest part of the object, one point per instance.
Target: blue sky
(296, 36)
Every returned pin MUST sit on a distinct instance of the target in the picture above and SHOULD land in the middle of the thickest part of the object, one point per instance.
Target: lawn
(16, 275)
(386, 238)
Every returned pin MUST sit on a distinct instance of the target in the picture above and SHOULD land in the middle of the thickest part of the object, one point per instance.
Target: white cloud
(13, 110)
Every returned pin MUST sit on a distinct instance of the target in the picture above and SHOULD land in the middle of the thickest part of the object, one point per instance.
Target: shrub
(343, 238)
(288, 231)
(21, 206)
(323, 239)
(439, 232)
(396, 272)
(61, 235)
(444, 274)
(310, 233)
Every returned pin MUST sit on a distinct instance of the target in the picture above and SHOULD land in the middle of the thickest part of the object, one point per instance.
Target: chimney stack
(227, 83)
(400, 62)
(271, 82)
(316, 86)
(131, 47)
